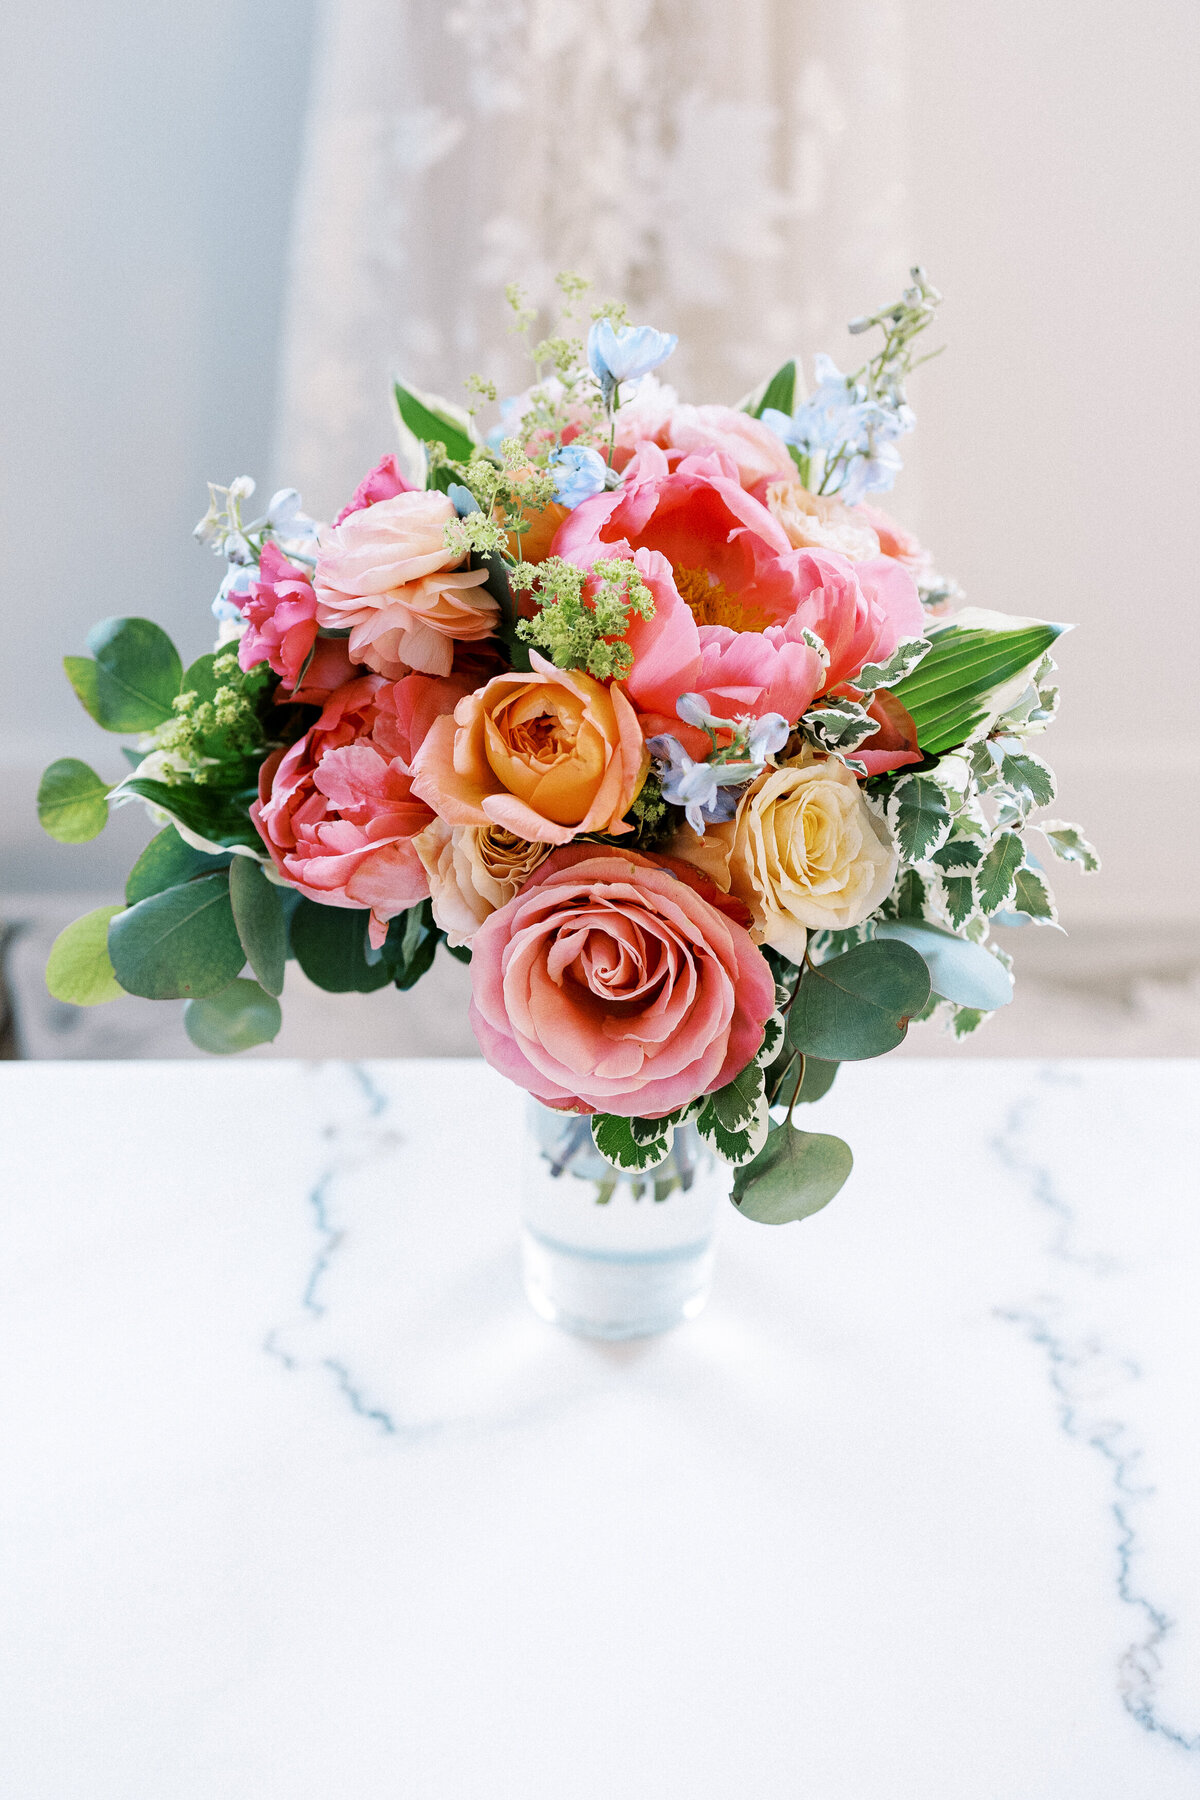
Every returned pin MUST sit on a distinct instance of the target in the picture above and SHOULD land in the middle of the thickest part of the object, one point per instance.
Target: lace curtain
(732, 168)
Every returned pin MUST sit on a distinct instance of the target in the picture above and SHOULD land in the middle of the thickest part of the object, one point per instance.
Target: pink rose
(384, 480)
(681, 431)
(281, 610)
(387, 573)
(337, 811)
(611, 984)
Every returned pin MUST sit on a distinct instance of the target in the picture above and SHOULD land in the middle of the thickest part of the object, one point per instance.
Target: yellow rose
(804, 852)
(545, 755)
(473, 871)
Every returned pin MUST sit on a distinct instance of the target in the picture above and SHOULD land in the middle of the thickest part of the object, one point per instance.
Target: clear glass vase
(609, 1254)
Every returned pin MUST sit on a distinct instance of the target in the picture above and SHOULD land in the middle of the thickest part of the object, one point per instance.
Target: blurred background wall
(750, 175)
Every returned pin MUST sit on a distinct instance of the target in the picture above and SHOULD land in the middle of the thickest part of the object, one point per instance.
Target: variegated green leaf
(1032, 896)
(1027, 775)
(842, 727)
(614, 1139)
(735, 1120)
(958, 853)
(919, 817)
(648, 1131)
(772, 1039)
(1069, 843)
(958, 891)
(901, 662)
(998, 872)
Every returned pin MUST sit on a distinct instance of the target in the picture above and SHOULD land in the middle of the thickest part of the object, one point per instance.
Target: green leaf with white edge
(72, 802)
(1069, 844)
(958, 893)
(258, 914)
(919, 817)
(1028, 775)
(977, 664)
(842, 726)
(966, 1020)
(779, 393)
(998, 872)
(220, 817)
(166, 862)
(1032, 896)
(237, 1018)
(648, 1131)
(858, 1005)
(181, 944)
(910, 897)
(772, 1042)
(903, 660)
(435, 421)
(959, 970)
(330, 944)
(614, 1139)
(958, 853)
(134, 678)
(79, 968)
(793, 1176)
(735, 1120)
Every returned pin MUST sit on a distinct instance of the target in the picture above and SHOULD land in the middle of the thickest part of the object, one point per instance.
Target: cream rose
(819, 521)
(804, 852)
(473, 871)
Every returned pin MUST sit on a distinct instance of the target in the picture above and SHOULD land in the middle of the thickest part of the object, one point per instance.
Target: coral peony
(546, 755)
(280, 610)
(656, 417)
(387, 573)
(337, 811)
(610, 984)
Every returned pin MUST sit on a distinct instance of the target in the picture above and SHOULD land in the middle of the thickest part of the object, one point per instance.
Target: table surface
(302, 1501)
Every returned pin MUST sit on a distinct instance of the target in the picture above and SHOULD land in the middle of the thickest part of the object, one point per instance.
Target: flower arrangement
(642, 708)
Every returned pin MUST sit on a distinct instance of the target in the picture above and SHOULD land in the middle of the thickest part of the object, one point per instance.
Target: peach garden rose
(611, 984)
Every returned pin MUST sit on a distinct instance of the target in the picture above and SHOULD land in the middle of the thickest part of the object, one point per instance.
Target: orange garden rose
(546, 755)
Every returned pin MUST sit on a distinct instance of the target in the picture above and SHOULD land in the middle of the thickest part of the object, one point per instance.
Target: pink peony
(281, 611)
(337, 811)
(384, 480)
(387, 573)
(895, 541)
(681, 431)
(610, 983)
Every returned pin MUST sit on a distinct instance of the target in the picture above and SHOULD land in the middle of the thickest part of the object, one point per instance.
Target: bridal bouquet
(640, 707)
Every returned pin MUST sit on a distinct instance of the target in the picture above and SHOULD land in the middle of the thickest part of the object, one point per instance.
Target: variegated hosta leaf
(735, 1120)
(901, 662)
(614, 1139)
(1028, 775)
(998, 872)
(842, 727)
(1032, 896)
(1069, 843)
(772, 1039)
(919, 817)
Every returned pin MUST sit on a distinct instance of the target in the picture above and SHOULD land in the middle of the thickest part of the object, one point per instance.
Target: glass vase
(609, 1254)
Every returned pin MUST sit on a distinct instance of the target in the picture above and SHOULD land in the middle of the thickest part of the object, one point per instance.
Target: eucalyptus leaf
(237, 1018)
(959, 970)
(166, 862)
(330, 944)
(134, 678)
(411, 944)
(180, 944)
(819, 1077)
(794, 1175)
(258, 914)
(72, 802)
(858, 1005)
(79, 968)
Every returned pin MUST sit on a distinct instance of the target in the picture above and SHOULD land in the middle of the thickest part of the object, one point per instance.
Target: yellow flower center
(711, 604)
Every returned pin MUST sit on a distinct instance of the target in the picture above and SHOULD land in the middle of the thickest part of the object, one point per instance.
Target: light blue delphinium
(709, 791)
(618, 353)
(855, 435)
(579, 473)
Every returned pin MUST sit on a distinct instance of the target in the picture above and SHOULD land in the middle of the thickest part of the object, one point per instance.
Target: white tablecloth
(301, 1501)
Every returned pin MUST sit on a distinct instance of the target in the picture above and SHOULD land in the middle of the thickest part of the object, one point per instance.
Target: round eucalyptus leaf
(78, 969)
(959, 970)
(72, 802)
(181, 944)
(258, 913)
(794, 1175)
(237, 1018)
(858, 1005)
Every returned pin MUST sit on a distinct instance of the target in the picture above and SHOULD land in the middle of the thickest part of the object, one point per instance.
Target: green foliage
(1069, 844)
(947, 695)
(615, 1139)
(735, 1120)
(412, 941)
(216, 736)
(903, 660)
(998, 872)
(166, 862)
(577, 630)
(779, 394)
(838, 726)
(72, 802)
(262, 928)
(237, 1018)
(134, 678)
(79, 969)
(858, 1005)
(819, 1077)
(919, 817)
(959, 970)
(958, 893)
(1032, 897)
(330, 944)
(433, 421)
(180, 944)
(220, 816)
(1027, 776)
(794, 1175)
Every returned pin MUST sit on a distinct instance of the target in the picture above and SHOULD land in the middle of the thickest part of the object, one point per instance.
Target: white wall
(1055, 150)
(147, 156)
